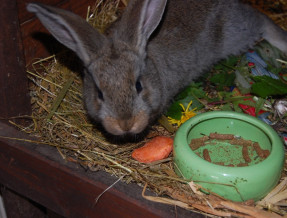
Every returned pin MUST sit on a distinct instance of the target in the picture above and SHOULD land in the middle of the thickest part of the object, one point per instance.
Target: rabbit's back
(208, 22)
(194, 34)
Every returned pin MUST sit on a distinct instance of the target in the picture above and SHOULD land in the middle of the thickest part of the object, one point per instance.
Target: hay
(59, 120)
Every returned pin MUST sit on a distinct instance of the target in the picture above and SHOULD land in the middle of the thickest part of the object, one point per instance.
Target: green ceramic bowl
(234, 183)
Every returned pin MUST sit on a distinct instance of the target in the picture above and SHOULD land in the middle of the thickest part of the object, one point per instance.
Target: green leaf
(195, 103)
(223, 79)
(227, 64)
(266, 86)
(194, 89)
(198, 92)
(259, 105)
(184, 93)
(237, 108)
(226, 107)
(174, 111)
(225, 95)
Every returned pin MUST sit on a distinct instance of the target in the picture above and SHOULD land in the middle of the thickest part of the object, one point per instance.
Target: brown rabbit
(155, 49)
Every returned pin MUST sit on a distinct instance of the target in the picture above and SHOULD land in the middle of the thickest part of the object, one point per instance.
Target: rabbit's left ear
(69, 29)
(139, 21)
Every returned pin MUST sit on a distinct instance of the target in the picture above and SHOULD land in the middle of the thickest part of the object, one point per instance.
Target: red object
(250, 110)
(156, 149)
(251, 64)
(246, 108)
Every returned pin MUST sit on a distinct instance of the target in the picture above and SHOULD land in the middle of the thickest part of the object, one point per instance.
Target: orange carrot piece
(156, 149)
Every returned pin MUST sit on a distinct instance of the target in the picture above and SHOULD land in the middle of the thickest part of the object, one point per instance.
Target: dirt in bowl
(228, 150)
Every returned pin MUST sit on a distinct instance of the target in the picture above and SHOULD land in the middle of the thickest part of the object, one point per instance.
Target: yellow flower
(186, 114)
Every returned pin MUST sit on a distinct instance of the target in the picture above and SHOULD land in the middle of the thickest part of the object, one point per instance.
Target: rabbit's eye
(100, 95)
(139, 87)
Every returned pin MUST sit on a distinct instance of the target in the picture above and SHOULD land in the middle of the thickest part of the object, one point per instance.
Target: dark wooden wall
(14, 98)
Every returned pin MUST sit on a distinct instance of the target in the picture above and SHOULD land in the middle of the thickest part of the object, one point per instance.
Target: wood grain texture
(14, 98)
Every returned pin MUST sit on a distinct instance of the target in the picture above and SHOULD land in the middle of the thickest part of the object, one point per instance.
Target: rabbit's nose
(130, 125)
(126, 125)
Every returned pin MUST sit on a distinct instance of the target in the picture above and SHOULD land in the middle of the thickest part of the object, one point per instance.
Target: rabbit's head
(119, 91)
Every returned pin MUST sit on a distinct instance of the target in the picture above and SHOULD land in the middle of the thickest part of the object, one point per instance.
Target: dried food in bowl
(237, 183)
(228, 150)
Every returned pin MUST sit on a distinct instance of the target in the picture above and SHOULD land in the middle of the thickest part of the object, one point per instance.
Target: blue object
(260, 66)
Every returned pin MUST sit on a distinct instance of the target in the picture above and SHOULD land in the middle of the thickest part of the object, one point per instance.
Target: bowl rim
(275, 141)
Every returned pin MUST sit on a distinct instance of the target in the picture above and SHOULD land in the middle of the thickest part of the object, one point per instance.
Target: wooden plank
(39, 173)
(14, 98)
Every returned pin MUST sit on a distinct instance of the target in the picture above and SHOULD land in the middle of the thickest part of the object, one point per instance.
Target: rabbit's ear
(139, 21)
(69, 29)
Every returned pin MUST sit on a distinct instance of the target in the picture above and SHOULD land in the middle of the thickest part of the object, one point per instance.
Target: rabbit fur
(155, 49)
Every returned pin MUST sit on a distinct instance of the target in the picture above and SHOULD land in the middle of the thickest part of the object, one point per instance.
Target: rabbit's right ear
(69, 29)
(139, 21)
